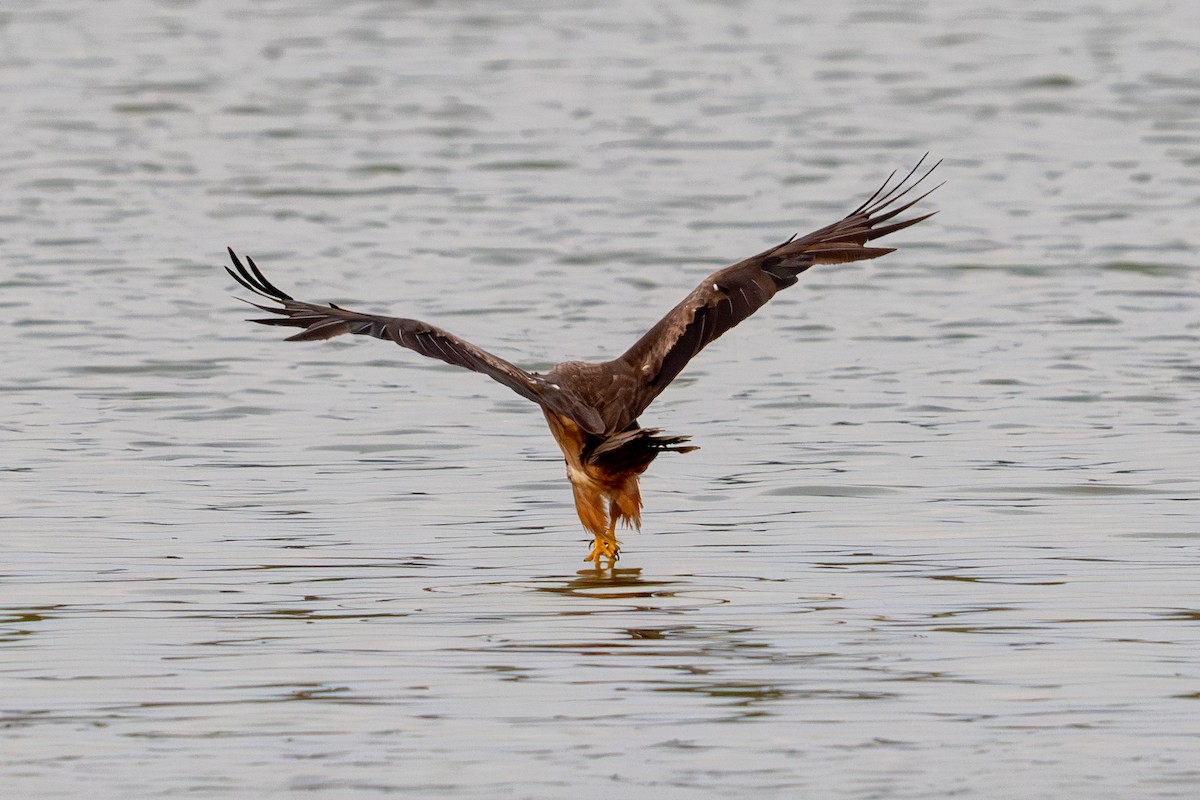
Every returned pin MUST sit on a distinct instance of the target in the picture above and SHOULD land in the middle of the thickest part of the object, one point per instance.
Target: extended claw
(604, 549)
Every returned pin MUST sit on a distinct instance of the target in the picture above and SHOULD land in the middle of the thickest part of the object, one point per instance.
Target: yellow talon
(604, 549)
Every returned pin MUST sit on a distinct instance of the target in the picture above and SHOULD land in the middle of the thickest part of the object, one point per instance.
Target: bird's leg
(606, 546)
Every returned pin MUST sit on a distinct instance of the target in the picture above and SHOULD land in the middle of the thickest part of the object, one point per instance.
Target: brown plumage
(593, 408)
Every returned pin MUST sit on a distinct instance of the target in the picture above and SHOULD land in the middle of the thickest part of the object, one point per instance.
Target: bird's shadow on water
(627, 585)
(612, 582)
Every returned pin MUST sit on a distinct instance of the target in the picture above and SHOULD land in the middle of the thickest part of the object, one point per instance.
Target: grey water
(943, 534)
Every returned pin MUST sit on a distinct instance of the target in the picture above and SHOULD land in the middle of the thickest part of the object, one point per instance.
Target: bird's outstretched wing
(730, 295)
(325, 322)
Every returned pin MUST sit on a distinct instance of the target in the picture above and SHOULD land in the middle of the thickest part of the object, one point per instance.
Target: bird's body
(592, 409)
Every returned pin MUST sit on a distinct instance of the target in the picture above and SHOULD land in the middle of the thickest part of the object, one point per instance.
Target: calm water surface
(943, 536)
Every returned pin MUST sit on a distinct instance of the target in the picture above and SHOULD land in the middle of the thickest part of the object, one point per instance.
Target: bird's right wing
(325, 322)
(728, 296)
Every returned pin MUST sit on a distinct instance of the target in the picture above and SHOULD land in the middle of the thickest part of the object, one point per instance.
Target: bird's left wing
(325, 322)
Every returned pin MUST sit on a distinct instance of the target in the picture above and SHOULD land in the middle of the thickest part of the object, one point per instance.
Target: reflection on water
(941, 538)
(610, 584)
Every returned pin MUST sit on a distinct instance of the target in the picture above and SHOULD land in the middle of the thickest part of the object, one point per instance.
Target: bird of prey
(593, 408)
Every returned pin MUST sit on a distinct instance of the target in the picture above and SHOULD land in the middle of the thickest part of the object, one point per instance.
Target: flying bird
(593, 408)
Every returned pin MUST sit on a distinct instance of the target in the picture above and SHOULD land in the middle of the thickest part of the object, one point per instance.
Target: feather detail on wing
(325, 322)
(730, 295)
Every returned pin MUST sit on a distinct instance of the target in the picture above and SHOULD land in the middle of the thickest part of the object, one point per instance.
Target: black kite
(593, 408)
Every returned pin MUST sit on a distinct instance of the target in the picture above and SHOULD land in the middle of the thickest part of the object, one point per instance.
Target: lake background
(943, 536)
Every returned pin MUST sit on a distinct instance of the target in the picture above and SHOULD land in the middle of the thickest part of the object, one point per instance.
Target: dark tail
(634, 449)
